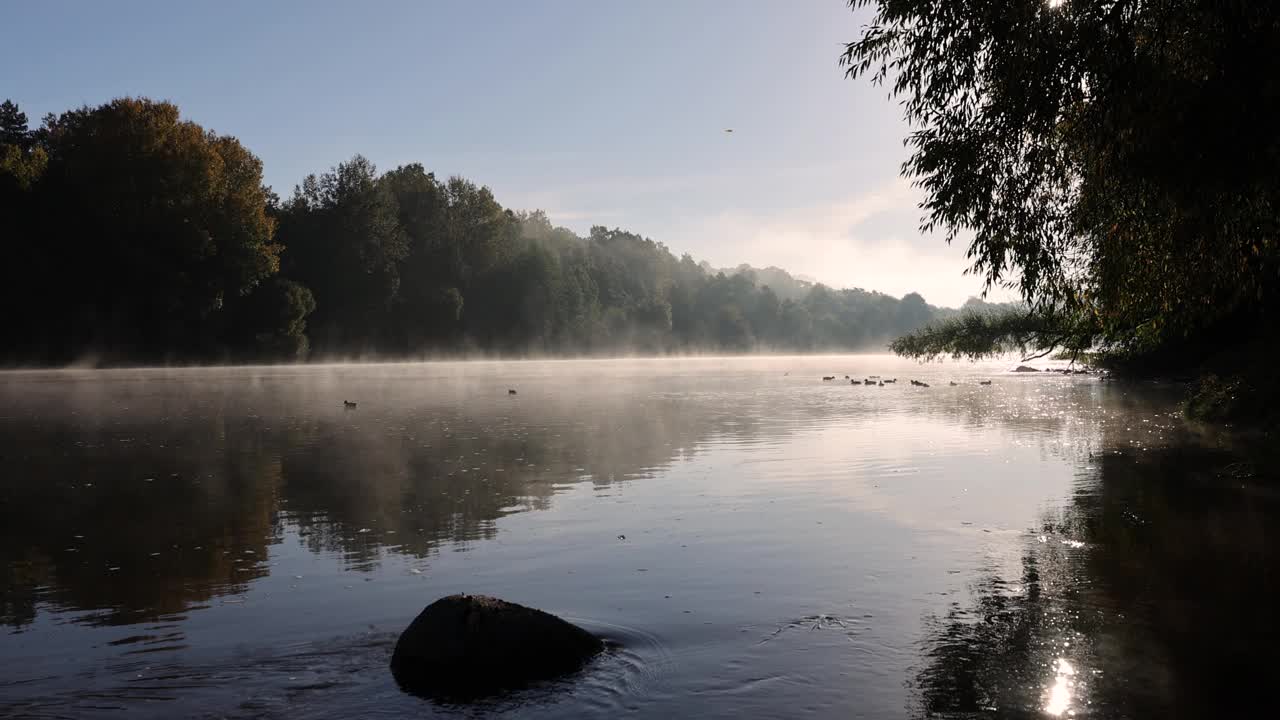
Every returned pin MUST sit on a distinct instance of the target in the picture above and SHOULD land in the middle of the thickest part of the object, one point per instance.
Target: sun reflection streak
(1060, 693)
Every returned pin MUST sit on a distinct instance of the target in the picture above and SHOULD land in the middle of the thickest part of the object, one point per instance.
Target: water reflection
(134, 501)
(1149, 594)
(1060, 692)
(108, 511)
(129, 534)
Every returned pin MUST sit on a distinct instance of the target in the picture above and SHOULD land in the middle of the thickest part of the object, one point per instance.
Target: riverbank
(1233, 384)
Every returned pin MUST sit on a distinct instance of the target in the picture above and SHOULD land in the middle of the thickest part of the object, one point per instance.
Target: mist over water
(235, 542)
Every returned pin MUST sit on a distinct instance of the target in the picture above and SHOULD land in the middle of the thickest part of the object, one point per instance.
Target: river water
(756, 541)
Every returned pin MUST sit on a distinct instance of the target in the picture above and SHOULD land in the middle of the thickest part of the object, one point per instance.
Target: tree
(271, 322)
(976, 333)
(733, 332)
(428, 306)
(913, 311)
(13, 125)
(1105, 157)
(345, 244)
(765, 314)
(149, 226)
(479, 232)
(21, 165)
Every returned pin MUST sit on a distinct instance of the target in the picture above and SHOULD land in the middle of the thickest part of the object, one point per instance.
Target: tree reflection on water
(1150, 595)
(142, 515)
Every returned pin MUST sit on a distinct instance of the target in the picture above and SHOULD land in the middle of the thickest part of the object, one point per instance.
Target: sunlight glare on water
(1060, 691)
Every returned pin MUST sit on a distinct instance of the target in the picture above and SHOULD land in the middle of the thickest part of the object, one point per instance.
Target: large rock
(1025, 368)
(471, 645)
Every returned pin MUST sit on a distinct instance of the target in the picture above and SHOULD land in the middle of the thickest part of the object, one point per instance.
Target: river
(756, 541)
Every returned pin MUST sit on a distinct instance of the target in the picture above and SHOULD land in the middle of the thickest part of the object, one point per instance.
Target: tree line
(135, 235)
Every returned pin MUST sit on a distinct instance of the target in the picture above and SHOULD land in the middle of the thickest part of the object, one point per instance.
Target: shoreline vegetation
(94, 365)
(140, 237)
(1108, 162)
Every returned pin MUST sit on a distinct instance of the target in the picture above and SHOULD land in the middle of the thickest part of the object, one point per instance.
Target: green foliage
(13, 125)
(271, 322)
(1107, 159)
(21, 164)
(975, 334)
(1216, 398)
(1246, 398)
(346, 244)
(20, 168)
(138, 230)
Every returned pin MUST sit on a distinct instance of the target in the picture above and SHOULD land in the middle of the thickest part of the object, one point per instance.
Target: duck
(891, 381)
(881, 383)
(348, 404)
(923, 384)
(828, 377)
(868, 381)
(511, 392)
(954, 383)
(984, 382)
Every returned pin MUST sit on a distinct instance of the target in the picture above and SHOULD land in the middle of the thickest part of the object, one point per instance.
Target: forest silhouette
(143, 238)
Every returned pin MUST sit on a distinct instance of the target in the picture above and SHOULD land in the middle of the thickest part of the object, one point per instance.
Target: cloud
(586, 194)
(649, 200)
(868, 240)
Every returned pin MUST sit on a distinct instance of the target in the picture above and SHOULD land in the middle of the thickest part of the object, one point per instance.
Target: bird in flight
(728, 130)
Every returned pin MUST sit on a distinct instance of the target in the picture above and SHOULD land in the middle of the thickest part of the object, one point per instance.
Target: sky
(598, 112)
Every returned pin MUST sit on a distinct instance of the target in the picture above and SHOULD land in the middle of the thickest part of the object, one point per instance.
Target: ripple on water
(308, 680)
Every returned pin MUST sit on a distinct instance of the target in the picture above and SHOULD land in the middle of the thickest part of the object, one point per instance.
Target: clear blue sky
(598, 112)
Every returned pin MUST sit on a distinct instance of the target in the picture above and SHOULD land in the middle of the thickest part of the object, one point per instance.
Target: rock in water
(470, 645)
(1025, 368)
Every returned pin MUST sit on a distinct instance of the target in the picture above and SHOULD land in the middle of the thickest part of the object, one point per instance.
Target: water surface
(759, 542)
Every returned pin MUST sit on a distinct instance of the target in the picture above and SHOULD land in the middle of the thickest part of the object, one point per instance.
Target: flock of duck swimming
(873, 380)
(351, 405)
(881, 382)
